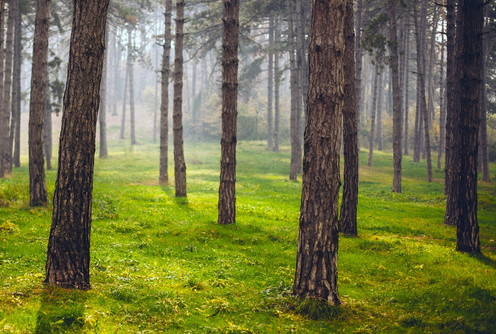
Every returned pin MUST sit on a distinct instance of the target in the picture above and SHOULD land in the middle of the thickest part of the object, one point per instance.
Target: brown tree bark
(469, 50)
(397, 117)
(177, 117)
(421, 83)
(4, 123)
(9, 48)
(351, 118)
(37, 186)
(164, 92)
(316, 264)
(68, 257)
(358, 58)
(442, 99)
(407, 83)
(277, 85)
(227, 188)
(15, 135)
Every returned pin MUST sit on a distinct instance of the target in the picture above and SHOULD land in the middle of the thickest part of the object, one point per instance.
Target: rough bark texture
(68, 256)
(37, 186)
(470, 53)
(270, 86)
(227, 188)
(177, 117)
(316, 264)
(348, 214)
(9, 48)
(397, 117)
(16, 87)
(452, 104)
(421, 84)
(164, 92)
(102, 115)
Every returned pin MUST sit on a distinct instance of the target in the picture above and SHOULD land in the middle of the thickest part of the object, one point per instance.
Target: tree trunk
(358, 60)
(179, 163)
(295, 98)
(432, 64)
(421, 84)
(277, 84)
(16, 87)
(102, 115)
(9, 48)
(483, 106)
(37, 186)
(351, 118)
(397, 117)
(407, 78)
(4, 116)
(372, 117)
(442, 100)
(68, 256)
(270, 85)
(47, 129)
(469, 51)
(130, 59)
(124, 102)
(164, 104)
(379, 112)
(227, 188)
(316, 264)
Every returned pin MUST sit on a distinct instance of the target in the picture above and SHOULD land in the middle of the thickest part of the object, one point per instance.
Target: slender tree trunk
(270, 85)
(68, 257)
(179, 163)
(432, 64)
(453, 105)
(358, 59)
(277, 85)
(227, 188)
(470, 54)
(9, 48)
(379, 112)
(295, 98)
(164, 104)
(130, 59)
(372, 117)
(351, 118)
(316, 264)
(16, 87)
(407, 82)
(4, 116)
(421, 84)
(102, 115)
(483, 106)
(442, 100)
(116, 77)
(37, 186)
(47, 130)
(397, 117)
(124, 102)
(417, 129)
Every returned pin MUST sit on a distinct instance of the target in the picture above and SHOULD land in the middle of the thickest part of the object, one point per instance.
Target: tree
(164, 104)
(397, 117)
(348, 218)
(316, 263)
(16, 87)
(37, 186)
(177, 116)
(68, 255)
(102, 115)
(469, 52)
(227, 188)
(4, 116)
(270, 85)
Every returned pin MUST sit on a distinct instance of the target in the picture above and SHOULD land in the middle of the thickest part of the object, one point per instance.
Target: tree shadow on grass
(61, 311)
(485, 260)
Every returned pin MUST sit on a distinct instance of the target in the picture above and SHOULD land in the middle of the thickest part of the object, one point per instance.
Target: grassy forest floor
(161, 264)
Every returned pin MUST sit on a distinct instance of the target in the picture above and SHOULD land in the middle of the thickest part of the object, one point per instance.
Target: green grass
(161, 264)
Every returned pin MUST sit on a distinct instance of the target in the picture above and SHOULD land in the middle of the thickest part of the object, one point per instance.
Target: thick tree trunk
(37, 186)
(227, 188)
(470, 55)
(421, 84)
(452, 114)
(270, 86)
(397, 117)
(177, 117)
(9, 48)
(68, 255)
(316, 264)
(164, 91)
(372, 117)
(277, 85)
(351, 118)
(15, 136)
(102, 115)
